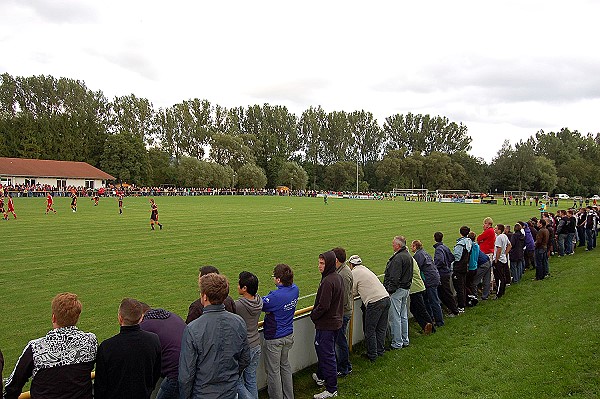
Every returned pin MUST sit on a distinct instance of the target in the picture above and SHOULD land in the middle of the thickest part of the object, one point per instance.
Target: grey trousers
(278, 368)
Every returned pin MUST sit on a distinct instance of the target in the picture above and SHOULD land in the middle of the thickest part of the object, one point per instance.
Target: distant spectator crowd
(215, 352)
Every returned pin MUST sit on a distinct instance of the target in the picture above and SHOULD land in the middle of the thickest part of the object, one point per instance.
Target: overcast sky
(505, 69)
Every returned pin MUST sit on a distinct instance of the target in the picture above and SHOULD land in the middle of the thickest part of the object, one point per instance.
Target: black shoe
(365, 356)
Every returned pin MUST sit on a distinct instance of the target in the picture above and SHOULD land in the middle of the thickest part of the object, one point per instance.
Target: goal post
(514, 194)
(539, 194)
(411, 194)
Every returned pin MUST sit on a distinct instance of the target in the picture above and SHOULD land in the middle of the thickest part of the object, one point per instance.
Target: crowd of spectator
(215, 352)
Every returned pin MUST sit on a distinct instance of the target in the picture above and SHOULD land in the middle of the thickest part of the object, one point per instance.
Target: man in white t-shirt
(501, 269)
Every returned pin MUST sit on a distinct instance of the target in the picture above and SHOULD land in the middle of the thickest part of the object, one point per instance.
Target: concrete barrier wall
(302, 354)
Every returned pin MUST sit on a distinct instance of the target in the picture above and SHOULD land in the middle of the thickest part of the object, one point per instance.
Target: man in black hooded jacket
(327, 315)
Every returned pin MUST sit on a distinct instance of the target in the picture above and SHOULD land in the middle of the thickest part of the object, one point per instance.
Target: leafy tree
(125, 158)
(161, 170)
(336, 139)
(135, 115)
(226, 149)
(292, 175)
(341, 176)
(311, 128)
(251, 176)
(367, 136)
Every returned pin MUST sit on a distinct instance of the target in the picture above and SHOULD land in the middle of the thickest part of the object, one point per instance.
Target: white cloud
(504, 69)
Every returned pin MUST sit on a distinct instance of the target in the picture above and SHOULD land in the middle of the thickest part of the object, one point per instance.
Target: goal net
(539, 194)
(411, 194)
(514, 194)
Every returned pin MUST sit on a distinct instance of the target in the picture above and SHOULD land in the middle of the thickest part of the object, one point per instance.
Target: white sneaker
(319, 382)
(325, 394)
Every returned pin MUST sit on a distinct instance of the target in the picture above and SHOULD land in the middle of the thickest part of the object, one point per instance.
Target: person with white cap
(377, 302)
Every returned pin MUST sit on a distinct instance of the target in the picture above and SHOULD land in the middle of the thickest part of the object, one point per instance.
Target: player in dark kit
(154, 215)
(4, 214)
(74, 202)
(120, 204)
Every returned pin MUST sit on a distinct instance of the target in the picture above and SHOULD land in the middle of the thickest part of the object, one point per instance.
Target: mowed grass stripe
(104, 256)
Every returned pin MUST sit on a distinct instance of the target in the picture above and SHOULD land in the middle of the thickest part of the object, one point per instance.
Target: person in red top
(49, 202)
(154, 215)
(486, 241)
(11, 206)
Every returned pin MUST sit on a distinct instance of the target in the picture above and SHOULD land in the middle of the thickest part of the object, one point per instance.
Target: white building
(59, 174)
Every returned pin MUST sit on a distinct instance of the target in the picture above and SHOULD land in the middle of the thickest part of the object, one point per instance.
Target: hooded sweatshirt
(462, 251)
(328, 311)
(250, 310)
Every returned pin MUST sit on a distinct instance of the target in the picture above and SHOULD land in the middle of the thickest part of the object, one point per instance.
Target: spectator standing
(342, 351)
(541, 251)
(214, 348)
(591, 219)
(397, 281)
(431, 278)
(442, 259)
(249, 307)
(517, 254)
(278, 328)
(486, 241)
(417, 302)
(571, 228)
(169, 328)
(60, 363)
(460, 267)
(377, 305)
(196, 308)
(501, 270)
(128, 364)
(327, 315)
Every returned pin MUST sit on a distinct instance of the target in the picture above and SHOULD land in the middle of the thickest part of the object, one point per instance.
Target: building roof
(45, 168)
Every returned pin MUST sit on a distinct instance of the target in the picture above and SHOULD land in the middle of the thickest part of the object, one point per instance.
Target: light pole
(357, 175)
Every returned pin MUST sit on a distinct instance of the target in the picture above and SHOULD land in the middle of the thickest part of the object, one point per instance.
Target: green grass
(540, 340)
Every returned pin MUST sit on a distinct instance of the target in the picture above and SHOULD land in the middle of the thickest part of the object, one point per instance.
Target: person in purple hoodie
(327, 315)
(169, 328)
(529, 245)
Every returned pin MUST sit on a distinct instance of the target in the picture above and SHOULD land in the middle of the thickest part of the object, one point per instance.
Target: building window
(6, 181)
(30, 182)
(89, 184)
(61, 184)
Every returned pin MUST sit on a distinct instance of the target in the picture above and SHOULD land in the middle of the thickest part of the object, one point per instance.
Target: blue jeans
(398, 318)
(589, 238)
(516, 269)
(433, 305)
(247, 388)
(569, 243)
(541, 263)
(342, 351)
(562, 244)
(169, 389)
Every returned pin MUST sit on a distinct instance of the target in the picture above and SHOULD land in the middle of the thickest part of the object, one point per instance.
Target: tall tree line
(197, 143)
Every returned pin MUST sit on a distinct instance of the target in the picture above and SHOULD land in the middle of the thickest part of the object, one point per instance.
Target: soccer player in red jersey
(154, 214)
(11, 206)
(49, 202)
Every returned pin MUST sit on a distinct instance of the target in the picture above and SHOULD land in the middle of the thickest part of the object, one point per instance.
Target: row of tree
(196, 143)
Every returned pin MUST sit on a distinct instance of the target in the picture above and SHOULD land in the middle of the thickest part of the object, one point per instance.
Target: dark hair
(472, 236)
(500, 227)
(517, 227)
(284, 273)
(542, 222)
(204, 270)
(215, 287)
(250, 281)
(438, 236)
(130, 311)
(340, 254)
(464, 231)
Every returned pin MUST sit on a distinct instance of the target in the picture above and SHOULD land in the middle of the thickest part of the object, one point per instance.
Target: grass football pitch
(103, 256)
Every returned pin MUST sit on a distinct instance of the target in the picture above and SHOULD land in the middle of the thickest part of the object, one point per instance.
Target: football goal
(514, 194)
(539, 194)
(411, 194)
